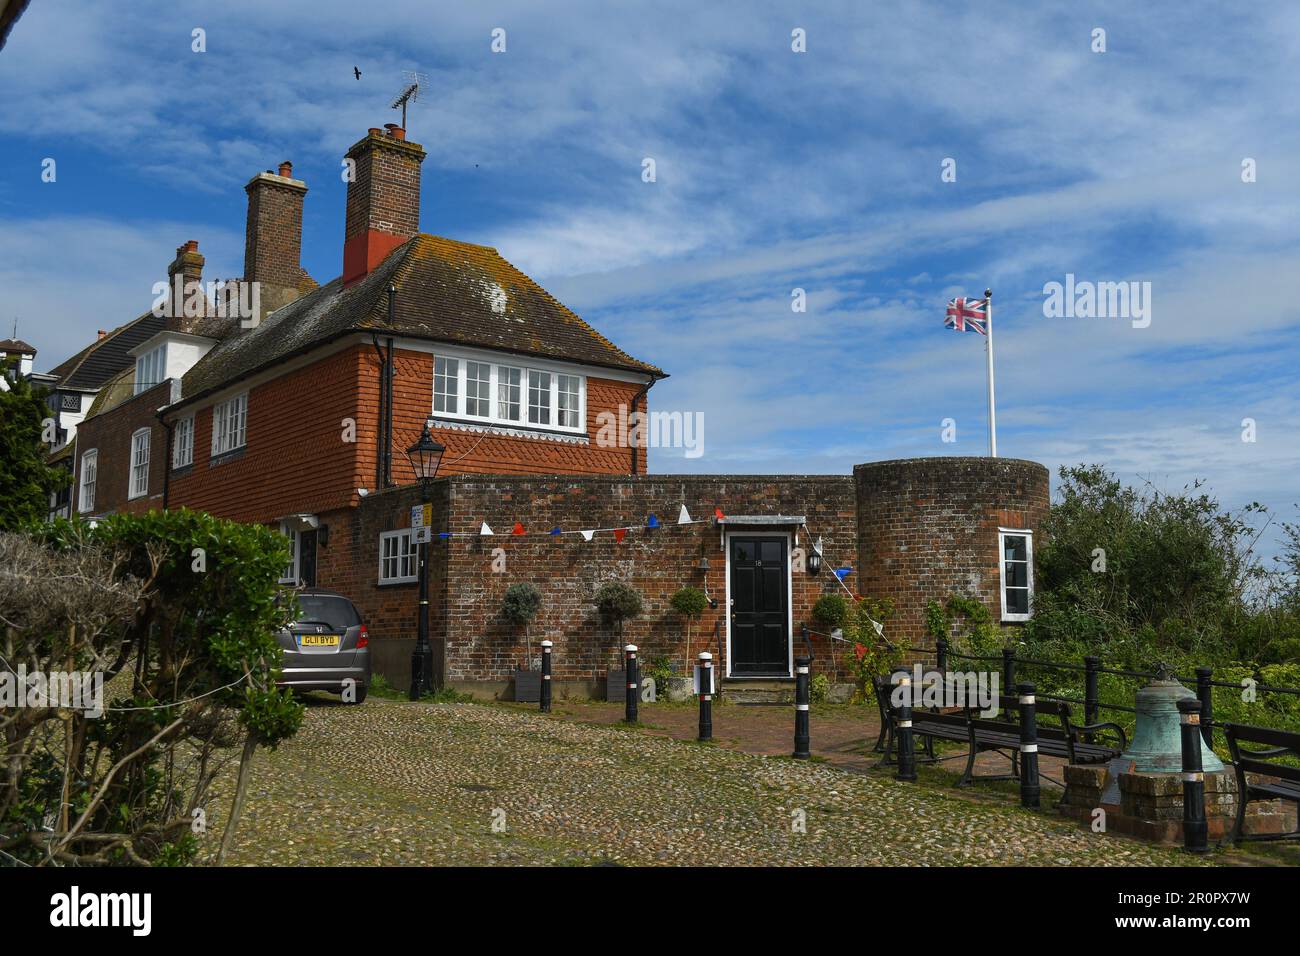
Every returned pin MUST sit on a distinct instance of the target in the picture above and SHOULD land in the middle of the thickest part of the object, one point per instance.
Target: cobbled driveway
(400, 783)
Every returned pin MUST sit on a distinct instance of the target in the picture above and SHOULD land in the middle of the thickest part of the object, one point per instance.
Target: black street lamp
(425, 456)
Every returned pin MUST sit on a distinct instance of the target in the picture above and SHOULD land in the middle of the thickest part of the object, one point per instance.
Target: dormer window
(150, 368)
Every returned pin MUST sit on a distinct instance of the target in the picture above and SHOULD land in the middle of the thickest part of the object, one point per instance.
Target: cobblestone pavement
(399, 783)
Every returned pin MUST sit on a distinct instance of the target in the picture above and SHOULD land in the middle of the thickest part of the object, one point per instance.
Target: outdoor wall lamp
(815, 558)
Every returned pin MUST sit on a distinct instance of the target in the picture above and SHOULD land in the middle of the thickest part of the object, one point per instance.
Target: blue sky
(775, 170)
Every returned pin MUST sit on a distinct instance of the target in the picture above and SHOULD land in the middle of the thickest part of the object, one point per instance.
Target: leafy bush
(520, 606)
(831, 611)
(183, 609)
(870, 654)
(690, 603)
(819, 688)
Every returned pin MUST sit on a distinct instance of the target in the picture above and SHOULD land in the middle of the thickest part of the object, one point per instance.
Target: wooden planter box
(528, 686)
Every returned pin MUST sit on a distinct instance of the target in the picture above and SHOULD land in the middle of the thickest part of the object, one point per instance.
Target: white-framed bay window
(1016, 566)
(138, 480)
(478, 388)
(397, 557)
(183, 443)
(89, 467)
(229, 424)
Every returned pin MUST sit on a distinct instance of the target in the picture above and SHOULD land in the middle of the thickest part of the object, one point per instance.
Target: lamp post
(425, 456)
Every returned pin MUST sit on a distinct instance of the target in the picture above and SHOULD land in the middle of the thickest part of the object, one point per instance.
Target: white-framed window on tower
(1016, 567)
(397, 557)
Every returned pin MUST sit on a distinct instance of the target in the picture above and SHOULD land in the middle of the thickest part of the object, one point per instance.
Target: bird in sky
(357, 72)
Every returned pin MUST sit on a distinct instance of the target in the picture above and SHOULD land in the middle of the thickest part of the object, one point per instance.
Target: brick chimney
(184, 280)
(273, 236)
(383, 199)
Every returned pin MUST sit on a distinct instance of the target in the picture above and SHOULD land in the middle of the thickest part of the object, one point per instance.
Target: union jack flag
(967, 315)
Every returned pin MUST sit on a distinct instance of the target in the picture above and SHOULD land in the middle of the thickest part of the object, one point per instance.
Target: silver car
(327, 647)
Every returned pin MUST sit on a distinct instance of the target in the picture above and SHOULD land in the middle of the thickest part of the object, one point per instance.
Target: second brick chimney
(383, 199)
(273, 237)
(184, 283)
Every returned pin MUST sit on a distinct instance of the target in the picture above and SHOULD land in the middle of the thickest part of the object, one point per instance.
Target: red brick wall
(295, 459)
(110, 433)
(480, 647)
(928, 527)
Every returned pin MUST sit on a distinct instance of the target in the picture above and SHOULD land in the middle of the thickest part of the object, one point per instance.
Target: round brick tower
(928, 527)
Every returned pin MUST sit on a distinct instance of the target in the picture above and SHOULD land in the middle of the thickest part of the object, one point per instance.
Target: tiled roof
(101, 360)
(16, 345)
(448, 291)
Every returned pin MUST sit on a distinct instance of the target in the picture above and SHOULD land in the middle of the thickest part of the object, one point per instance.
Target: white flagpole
(988, 348)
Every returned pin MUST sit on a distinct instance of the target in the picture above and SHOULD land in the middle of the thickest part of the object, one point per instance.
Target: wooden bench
(1285, 782)
(1073, 742)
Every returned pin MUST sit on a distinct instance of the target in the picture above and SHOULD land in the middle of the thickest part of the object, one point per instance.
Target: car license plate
(318, 640)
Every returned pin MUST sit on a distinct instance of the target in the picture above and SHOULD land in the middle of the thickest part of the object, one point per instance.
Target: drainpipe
(381, 439)
(388, 418)
(167, 458)
(635, 399)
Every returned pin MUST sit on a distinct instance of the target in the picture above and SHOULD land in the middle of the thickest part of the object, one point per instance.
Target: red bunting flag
(620, 534)
(519, 528)
(717, 513)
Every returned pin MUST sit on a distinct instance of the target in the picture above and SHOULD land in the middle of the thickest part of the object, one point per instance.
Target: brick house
(283, 402)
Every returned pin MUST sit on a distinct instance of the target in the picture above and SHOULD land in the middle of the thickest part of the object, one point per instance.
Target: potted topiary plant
(520, 606)
(690, 603)
(617, 602)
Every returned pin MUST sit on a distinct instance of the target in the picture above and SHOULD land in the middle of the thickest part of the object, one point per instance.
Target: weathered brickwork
(109, 433)
(928, 527)
(483, 648)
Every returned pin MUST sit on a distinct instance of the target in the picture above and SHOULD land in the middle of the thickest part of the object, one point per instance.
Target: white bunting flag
(684, 517)
(586, 535)
(485, 530)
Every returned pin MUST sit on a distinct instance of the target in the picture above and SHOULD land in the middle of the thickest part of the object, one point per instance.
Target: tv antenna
(411, 92)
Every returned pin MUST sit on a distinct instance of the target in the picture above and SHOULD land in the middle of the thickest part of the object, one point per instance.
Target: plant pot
(679, 689)
(616, 686)
(528, 686)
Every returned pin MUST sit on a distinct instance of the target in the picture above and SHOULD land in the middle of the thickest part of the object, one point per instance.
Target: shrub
(185, 608)
(831, 611)
(690, 603)
(520, 606)
(618, 602)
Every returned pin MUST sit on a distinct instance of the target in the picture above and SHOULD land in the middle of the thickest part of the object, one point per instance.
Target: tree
(182, 609)
(26, 481)
(618, 602)
(520, 606)
(690, 603)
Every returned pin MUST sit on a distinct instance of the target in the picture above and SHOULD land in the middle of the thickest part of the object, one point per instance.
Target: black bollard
(1195, 829)
(633, 691)
(546, 678)
(801, 697)
(903, 721)
(941, 654)
(706, 695)
(1008, 668)
(1205, 694)
(1030, 793)
(1091, 696)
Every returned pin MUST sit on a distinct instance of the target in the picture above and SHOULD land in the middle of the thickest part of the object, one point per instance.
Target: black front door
(760, 637)
(307, 558)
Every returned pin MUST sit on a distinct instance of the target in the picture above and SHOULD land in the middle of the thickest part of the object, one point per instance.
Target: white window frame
(183, 443)
(232, 412)
(290, 575)
(456, 405)
(399, 559)
(89, 465)
(1003, 534)
(149, 369)
(137, 479)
